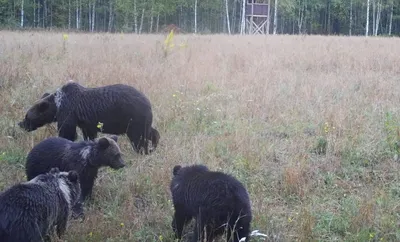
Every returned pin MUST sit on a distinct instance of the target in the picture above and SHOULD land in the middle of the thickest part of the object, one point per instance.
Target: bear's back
(120, 91)
(212, 189)
(21, 205)
(45, 155)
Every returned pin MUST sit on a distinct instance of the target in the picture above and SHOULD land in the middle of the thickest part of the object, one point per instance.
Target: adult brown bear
(118, 108)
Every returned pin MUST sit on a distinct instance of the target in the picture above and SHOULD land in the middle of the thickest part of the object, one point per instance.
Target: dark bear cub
(29, 211)
(85, 157)
(113, 109)
(218, 202)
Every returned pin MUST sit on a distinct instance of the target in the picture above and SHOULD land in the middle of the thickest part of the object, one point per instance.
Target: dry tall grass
(308, 124)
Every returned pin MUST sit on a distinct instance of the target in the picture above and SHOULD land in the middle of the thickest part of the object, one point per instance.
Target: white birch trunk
(93, 14)
(351, 17)
(275, 16)
(90, 18)
(300, 18)
(367, 23)
(22, 13)
(135, 16)
(233, 16)
(69, 14)
(141, 22)
(227, 17)
(110, 17)
(373, 16)
(80, 12)
(243, 20)
(195, 16)
(34, 13)
(391, 19)
(158, 21)
(378, 17)
(269, 16)
(77, 14)
(151, 18)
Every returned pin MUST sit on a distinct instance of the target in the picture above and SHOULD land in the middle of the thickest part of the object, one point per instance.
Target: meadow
(309, 124)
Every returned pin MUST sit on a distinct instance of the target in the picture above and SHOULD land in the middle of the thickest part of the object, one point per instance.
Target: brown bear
(30, 211)
(113, 109)
(85, 157)
(218, 202)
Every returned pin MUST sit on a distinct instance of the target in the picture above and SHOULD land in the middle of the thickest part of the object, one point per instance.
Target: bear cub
(85, 157)
(122, 109)
(29, 211)
(218, 202)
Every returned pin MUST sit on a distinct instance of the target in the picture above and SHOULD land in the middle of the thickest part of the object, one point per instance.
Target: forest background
(323, 17)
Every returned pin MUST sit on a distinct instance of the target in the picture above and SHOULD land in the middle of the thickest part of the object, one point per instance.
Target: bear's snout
(21, 124)
(120, 164)
(26, 125)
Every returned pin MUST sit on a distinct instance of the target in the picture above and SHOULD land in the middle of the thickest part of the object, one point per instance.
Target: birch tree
(227, 16)
(373, 16)
(275, 16)
(243, 20)
(110, 15)
(378, 16)
(141, 21)
(90, 17)
(22, 13)
(351, 17)
(151, 17)
(135, 16)
(367, 22)
(77, 14)
(195, 16)
(69, 14)
(391, 19)
(93, 14)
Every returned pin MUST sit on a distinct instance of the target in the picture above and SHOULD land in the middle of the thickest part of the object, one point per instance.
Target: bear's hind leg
(203, 232)
(135, 139)
(178, 222)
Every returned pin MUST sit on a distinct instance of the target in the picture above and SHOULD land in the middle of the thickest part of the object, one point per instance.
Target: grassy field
(310, 125)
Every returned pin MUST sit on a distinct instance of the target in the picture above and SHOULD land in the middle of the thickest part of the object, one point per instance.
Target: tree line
(327, 17)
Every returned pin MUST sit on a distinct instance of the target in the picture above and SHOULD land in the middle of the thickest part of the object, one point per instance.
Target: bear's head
(181, 174)
(69, 184)
(107, 153)
(42, 112)
(178, 169)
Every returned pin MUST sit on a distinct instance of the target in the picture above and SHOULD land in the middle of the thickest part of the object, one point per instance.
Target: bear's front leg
(77, 211)
(67, 129)
(89, 133)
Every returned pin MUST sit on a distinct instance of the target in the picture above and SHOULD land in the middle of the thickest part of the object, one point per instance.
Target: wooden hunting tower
(257, 16)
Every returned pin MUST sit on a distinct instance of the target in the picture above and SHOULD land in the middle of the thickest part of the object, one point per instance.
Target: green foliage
(316, 16)
(13, 156)
(321, 146)
(391, 128)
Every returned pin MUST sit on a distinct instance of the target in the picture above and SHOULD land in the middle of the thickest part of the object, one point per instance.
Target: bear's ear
(45, 95)
(73, 176)
(103, 143)
(54, 170)
(43, 106)
(176, 169)
(114, 137)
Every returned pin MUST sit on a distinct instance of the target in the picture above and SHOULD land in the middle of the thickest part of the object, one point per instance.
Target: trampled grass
(309, 124)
